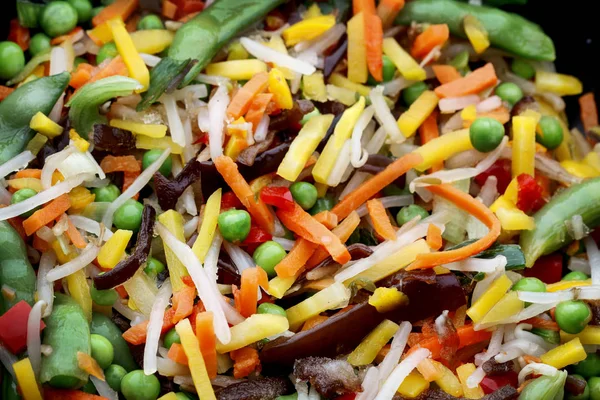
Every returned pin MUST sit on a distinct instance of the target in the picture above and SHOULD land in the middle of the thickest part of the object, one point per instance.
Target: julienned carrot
(65, 394)
(368, 189)
(245, 361)
(169, 9)
(304, 225)
(589, 112)
(183, 303)
(434, 237)
(88, 364)
(75, 236)
(81, 75)
(60, 39)
(343, 231)
(205, 333)
(137, 333)
(466, 335)
(314, 321)
(388, 10)
(252, 278)
(5, 91)
(256, 207)
(118, 164)
(500, 114)
(327, 218)
(435, 35)
(29, 173)
(240, 103)
(428, 131)
(478, 80)
(48, 213)
(116, 66)
(364, 6)
(374, 42)
(40, 244)
(446, 73)
(296, 259)
(542, 323)
(128, 178)
(381, 221)
(474, 207)
(118, 9)
(177, 354)
(257, 108)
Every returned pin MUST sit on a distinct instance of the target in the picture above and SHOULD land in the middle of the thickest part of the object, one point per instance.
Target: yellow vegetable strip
(253, 329)
(368, 348)
(523, 160)
(151, 130)
(476, 33)
(324, 300)
(308, 29)
(207, 230)
(237, 69)
(407, 65)
(357, 49)
(191, 348)
(26, 380)
(173, 221)
(569, 353)
(135, 65)
(80, 292)
(418, 112)
(44, 125)
(489, 298)
(114, 249)
(443, 147)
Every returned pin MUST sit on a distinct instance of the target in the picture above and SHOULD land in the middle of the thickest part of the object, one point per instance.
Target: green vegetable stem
(103, 326)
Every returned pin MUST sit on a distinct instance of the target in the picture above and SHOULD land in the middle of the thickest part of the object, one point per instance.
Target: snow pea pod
(550, 232)
(21, 105)
(507, 31)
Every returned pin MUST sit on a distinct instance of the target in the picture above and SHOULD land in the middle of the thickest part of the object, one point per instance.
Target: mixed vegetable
(261, 199)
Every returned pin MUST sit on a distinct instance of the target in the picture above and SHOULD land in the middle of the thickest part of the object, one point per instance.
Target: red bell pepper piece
(530, 194)
(278, 196)
(230, 200)
(501, 170)
(347, 396)
(19, 34)
(492, 383)
(257, 236)
(13, 327)
(548, 268)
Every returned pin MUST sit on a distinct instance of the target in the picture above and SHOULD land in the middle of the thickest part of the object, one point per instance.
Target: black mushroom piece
(169, 191)
(332, 60)
(429, 294)
(257, 389)
(112, 140)
(128, 267)
(492, 367)
(356, 250)
(330, 377)
(575, 385)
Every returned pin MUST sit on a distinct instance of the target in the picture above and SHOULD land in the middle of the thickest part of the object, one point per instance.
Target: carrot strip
(60, 39)
(446, 73)
(183, 303)
(296, 259)
(137, 333)
(117, 164)
(258, 108)
(5, 91)
(81, 75)
(541, 323)
(256, 207)
(245, 362)
(241, 101)
(381, 221)
(116, 66)
(29, 173)
(64, 394)
(252, 278)
(472, 206)
(364, 6)
(19, 34)
(388, 10)
(303, 224)
(374, 42)
(435, 35)
(429, 131)
(478, 80)
(368, 189)
(589, 112)
(531, 359)
(177, 354)
(343, 231)
(128, 178)
(314, 321)
(434, 237)
(327, 218)
(89, 365)
(466, 335)
(40, 244)
(119, 9)
(169, 9)
(75, 236)
(49, 213)
(205, 333)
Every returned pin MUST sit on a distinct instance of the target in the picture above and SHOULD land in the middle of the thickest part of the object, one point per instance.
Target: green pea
(270, 308)
(573, 316)
(171, 337)
(89, 387)
(138, 386)
(308, 116)
(103, 297)
(22, 195)
(79, 60)
(323, 204)
(388, 71)
(129, 215)
(58, 18)
(552, 132)
(408, 213)
(113, 375)
(412, 93)
(529, 285)
(395, 190)
(234, 225)
(106, 52)
(12, 60)
(575, 276)
(588, 367)
(486, 134)
(509, 92)
(102, 350)
(594, 385)
(107, 193)
(152, 155)
(522, 68)
(154, 267)
(150, 22)
(83, 8)
(305, 194)
(268, 255)
(97, 10)
(583, 396)
(39, 42)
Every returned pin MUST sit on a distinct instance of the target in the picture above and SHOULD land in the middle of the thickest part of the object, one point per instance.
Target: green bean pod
(15, 270)
(103, 326)
(550, 232)
(507, 31)
(9, 387)
(67, 333)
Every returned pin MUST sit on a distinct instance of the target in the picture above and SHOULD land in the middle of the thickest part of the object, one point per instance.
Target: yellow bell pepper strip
(513, 219)
(357, 49)
(523, 160)
(341, 133)
(307, 29)
(148, 143)
(169, 396)
(303, 146)
(253, 329)
(237, 52)
(560, 84)
(25, 183)
(207, 229)
(403, 61)
(135, 65)
(476, 33)
(44, 125)
(413, 385)
(512, 192)
(237, 69)
(579, 169)
(152, 41)
(114, 249)
(142, 292)
(443, 147)
(589, 335)
(61, 255)
(343, 82)
(463, 372)
(80, 197)
(276, 43)
(36, 144)
(324, 300)
(235, 145)
(418, 112)
(489, 298)
(101, 34)
(387, 299)
(448, 382)
(312, 12)
(566, 354)
(26, 380)
(372, 344)
(508, 305)
(173, 221)
(79, 142)
(278, 286)
(566, 285)
(151, 130)
(593, 160)
(469, 113)
(321, 189)
(191, 348)
(313, 87)
(80, 292)
(343, 95)
(280, 89)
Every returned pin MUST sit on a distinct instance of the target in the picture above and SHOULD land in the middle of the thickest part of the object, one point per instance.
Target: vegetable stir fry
(272, 200)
